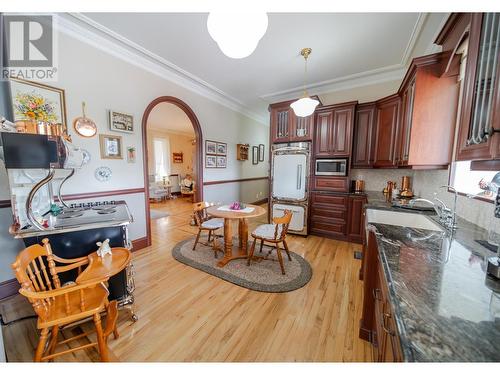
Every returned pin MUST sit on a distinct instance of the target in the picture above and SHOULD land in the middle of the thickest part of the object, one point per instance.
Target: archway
(199, 152)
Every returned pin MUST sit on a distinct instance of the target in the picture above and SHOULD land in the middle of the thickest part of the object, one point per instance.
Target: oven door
(331, 167)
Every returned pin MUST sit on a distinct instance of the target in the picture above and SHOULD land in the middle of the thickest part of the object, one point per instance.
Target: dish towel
(246, 210)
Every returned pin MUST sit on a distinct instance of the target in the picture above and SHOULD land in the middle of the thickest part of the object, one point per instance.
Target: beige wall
(178, 143)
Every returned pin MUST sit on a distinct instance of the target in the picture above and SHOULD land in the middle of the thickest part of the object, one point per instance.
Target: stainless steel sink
(402, 219)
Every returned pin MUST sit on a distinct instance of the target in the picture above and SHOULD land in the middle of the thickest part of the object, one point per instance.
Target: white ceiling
(344, 47)
(169, 117)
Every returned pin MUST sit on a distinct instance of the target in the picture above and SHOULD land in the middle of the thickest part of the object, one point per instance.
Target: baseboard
(9, 288)
(140, 243)
(262, 201)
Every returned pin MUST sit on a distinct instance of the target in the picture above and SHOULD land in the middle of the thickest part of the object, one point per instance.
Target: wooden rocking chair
(59, 305)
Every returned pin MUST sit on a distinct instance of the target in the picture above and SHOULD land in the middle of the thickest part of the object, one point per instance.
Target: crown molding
(371, 77)
(366, 78)
(415, 34)
(90, 32)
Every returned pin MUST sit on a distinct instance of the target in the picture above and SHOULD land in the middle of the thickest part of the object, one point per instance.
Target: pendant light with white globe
(305, 106)
(237, 34)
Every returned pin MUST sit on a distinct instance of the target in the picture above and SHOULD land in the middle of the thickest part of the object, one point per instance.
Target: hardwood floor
(188, 315)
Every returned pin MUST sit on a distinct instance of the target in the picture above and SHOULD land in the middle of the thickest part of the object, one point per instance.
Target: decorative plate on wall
(103, 174)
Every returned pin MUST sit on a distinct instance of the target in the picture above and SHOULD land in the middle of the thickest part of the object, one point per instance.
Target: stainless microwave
(331, 167)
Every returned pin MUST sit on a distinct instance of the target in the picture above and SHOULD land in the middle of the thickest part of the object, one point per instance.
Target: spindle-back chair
(206, 223)
(275, 234)
(37, 269)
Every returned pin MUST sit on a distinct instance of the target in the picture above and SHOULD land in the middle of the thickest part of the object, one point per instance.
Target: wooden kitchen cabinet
(287, 127)
(329, 214)
(387, 126)
(356, 225)
(363, 150)
(479, 124)
(429, 104)
(333, 130)
(403, 142)
(280, 123)
(377, 322)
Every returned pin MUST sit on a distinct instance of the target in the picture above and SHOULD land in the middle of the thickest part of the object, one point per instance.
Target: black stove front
(81, 243)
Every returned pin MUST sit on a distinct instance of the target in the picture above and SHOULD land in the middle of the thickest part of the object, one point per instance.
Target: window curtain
(161, 148)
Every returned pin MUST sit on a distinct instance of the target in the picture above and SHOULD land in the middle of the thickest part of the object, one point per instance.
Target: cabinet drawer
(328, 214)
(333, 229)
(331, 183)
(335, 201)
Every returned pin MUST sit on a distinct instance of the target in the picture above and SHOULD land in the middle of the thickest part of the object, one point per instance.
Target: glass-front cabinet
(480, 109)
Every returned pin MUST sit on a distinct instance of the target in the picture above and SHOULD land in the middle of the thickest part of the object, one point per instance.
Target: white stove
(81, 216)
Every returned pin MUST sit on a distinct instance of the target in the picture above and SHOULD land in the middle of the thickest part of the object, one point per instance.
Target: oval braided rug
(263, 276)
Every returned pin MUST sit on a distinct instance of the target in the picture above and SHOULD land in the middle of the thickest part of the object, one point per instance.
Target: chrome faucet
(452, 217)
(447, 217)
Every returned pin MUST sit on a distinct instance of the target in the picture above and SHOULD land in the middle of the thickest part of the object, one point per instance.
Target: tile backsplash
(424, 183)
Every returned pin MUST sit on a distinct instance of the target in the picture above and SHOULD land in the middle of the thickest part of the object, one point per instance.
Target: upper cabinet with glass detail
(480, 109)
(287, 127)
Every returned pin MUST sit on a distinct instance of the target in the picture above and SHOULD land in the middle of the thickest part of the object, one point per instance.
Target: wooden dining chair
(275, 234)
(207, 223)
(37, 269)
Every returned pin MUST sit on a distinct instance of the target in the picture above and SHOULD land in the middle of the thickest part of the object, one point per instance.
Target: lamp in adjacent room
(305, 106)
(237, 34)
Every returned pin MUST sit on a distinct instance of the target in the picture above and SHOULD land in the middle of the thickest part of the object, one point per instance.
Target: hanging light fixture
(305, 106)
(237, 34)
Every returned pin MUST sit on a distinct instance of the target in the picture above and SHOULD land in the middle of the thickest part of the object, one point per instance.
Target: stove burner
(106, 211)
(104, 207)
(69, 215)
(98, 205)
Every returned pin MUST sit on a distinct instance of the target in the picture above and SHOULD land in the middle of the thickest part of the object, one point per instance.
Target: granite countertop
(446, 308)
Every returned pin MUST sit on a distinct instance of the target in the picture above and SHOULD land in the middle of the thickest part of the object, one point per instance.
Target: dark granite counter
(446, 309)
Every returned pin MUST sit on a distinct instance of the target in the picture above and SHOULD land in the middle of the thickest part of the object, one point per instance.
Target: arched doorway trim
(199, 152)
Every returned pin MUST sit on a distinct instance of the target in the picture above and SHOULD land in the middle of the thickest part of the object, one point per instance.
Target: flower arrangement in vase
(237, 206)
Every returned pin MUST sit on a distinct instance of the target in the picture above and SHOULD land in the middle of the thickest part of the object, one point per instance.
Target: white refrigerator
(290, 164)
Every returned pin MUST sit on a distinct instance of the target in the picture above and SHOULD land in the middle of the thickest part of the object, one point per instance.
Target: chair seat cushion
(214, 223)
(267, 231)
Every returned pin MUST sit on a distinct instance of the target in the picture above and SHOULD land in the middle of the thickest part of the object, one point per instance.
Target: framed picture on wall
(255, 155)
(33, 101)
(210, 147)
(221, 161)
(121, 122)
(177, 157)
(210, 161)
(111, 146)
(130, 154)
(261, 152)
(221, 148)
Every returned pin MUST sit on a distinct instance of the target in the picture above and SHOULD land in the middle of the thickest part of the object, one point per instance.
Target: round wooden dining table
(242, 218)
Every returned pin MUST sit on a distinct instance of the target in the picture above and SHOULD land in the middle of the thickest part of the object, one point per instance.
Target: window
(477, 183)
(161, 148)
